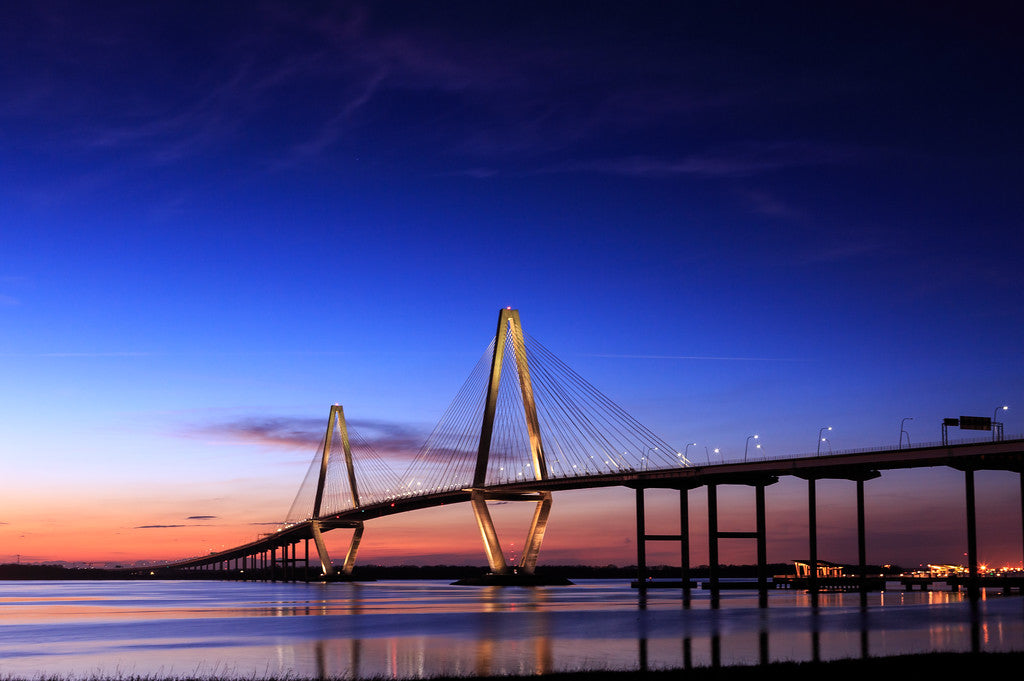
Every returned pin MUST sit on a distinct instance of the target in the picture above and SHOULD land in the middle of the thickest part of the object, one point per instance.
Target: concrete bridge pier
(683, 538)
(972, 535)
(759, 534)
(812, 539)
(858, 476)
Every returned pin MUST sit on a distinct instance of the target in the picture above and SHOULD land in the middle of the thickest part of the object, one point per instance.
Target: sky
(218, 219)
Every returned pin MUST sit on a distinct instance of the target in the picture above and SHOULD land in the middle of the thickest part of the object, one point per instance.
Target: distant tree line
(21, 571)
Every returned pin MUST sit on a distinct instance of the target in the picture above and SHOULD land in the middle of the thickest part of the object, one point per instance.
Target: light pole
(687, 450)
(903, 432)
(998, 409)
(820, 438)
(646, 456)
(747, 444)
(708, 455)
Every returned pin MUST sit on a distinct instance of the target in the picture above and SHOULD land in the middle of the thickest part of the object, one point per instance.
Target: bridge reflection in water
(419, 629)
(542, 642)
(524, 426)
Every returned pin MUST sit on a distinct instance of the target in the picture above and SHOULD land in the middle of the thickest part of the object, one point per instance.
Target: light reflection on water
(414, 629)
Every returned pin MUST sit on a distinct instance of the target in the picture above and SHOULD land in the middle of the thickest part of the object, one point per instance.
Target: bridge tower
(335, 427)
(510, 332)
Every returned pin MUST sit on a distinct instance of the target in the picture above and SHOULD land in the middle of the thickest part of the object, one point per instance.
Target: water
(415, 629)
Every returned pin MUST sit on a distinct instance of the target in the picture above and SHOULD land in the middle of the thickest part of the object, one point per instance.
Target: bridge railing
(454, 485)
(869, 450)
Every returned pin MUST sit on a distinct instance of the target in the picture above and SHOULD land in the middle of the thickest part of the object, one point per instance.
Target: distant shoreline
(23, 571)
(940, 665)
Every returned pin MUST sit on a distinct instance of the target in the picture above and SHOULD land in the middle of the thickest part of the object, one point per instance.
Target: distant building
(825, 569)
(942, 571)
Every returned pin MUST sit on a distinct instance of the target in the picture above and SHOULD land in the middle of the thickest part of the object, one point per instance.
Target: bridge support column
(683, 538)
(762, 547)
(713, 543)
(859, 476)
(641, 541)
(759, 534)
(317, 528)
(353, 548)
(535, 536)
(862, 559)
(972, 535)
(326, 567)
(684, 541)
(812, 539)
(492, 546)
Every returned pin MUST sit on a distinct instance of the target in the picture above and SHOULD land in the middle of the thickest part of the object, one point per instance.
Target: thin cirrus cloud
(498, 95)
(736, 162)
(703, 358)
(77, 354)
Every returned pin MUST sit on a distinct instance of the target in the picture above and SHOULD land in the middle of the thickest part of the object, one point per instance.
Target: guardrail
(869, 450)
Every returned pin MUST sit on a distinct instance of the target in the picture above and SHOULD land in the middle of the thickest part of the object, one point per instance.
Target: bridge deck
(862, 465)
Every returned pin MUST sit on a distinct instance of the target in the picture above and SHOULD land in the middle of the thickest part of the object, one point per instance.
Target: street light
(903, 432)
(998, 409)
(687, 450)
(747, 444)
(820, 438)
(708, 455)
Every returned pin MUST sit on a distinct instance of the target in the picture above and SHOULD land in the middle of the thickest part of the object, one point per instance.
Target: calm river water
(415, 629)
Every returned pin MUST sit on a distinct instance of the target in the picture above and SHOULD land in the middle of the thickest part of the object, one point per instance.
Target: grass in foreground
(939, 665)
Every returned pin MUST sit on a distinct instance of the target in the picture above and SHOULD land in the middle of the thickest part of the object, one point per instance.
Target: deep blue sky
(218, 219)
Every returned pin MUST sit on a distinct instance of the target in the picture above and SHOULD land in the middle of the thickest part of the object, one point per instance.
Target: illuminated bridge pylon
(337, 488)
(523, 416)
(509, 337)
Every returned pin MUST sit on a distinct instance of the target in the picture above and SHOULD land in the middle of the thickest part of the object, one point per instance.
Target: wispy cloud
(488, 86)
(12, 282)
(292, 432)
(191, 517)
(836, 252)
(702, 358)
(766, 203)
(157, 527)
(271, 431)
(734, 162)
(76, 354)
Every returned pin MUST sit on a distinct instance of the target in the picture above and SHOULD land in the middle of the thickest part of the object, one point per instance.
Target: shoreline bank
(945, 664)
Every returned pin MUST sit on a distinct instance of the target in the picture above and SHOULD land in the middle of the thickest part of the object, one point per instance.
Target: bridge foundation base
(341, 577)
(512, 579)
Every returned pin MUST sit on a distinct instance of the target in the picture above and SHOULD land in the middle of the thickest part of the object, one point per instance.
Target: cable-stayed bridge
(523, 426)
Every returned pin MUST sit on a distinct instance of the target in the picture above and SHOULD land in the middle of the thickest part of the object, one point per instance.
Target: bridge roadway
(1005, 455)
